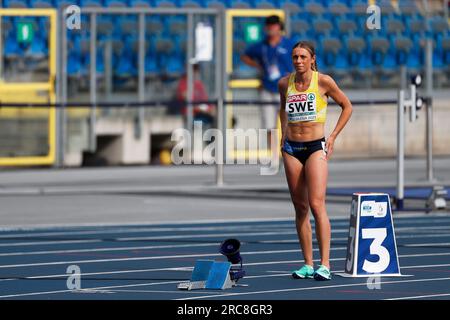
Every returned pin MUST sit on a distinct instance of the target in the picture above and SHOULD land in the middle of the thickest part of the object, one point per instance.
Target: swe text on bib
(301, 107)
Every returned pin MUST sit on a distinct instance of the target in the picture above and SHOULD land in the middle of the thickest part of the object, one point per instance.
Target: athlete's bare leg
(295, 175)
(316, 172)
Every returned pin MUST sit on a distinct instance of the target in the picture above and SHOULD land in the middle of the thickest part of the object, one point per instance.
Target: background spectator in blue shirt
(272, 57)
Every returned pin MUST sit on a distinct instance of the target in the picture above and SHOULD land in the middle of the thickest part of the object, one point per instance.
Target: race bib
(301, 107)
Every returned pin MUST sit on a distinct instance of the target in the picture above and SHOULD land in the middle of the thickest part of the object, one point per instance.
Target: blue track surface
(147, 262)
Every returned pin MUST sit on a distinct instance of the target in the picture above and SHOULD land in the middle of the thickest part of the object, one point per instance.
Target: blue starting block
(371, 247)
(209, 274)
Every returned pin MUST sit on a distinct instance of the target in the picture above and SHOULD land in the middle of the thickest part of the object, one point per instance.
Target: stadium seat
(164, 3)
(190, 3)
(115, 3)
(346, 26)
(128, 25)
(164, 46)
(153, 25)
(355, 47)
(140, 3)
(267, 4)
(299, 26)
(151, 66)
(438, 25)
(65, 3)
(334, 59)
(403, 46)
(338, 8)
(105, 27)
(175, 66)
(408, 8)
(290, 5)
(379, 47)
(217, 4)
(41, 4)
(11, 47)
(313, 7)
(176, 25)
(15, 3)
(322, 27)
(394, 26)
(90, 3)
(240, 4)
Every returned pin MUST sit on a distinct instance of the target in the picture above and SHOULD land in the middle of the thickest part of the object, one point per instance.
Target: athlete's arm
(282, 88)
(333, 91)
(249, 61)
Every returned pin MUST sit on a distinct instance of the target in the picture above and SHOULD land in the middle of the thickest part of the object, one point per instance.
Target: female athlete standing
(305, 151)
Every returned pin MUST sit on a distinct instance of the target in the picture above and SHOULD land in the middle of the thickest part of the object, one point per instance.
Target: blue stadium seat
(445, 44)
(15, 3)
(336, 7)
(438, 25)
(292, 6)
(41, 4)
(217, 4)
(190, 3)
(11, 47)
(122, 59)
(164, 3)
(267, 4)
(333, 57)
(240, 4)
(403, 47)
(346, 26)
(38, 48)
(153, 25)
(151, 65)
(91, 3)
(115, 3)
(313, 7)
(128, 25)
(140, 3)
(358, 57)
(66, 3)
(175, 66)
(175, 25)
(378, 48)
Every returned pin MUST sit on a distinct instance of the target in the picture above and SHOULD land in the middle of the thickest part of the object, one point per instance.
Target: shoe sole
(319, 277)
(295, 276)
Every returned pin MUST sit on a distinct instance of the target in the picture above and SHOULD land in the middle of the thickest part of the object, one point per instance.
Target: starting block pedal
(371, 246)
(209, 274)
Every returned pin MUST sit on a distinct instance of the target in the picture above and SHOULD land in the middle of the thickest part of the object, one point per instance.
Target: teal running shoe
(305, 272)
(322, 273)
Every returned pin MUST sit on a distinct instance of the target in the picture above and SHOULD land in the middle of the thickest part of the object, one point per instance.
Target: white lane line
(121, 229)
(155, 223)
(438, 244)
(62, 242)
(140, 230)
(310, 288)
(189, 269)
(36, 243)
(173, 282)
(421, 297)
(176, 257)
(137, 230)
(31, 253)
(121, 286)
(149, 258)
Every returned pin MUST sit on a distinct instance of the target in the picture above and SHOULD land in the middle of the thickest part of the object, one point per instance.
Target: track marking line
(420, 297)
(310, 288)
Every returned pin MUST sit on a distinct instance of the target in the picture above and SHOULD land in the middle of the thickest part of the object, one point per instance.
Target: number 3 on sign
(378, 235)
